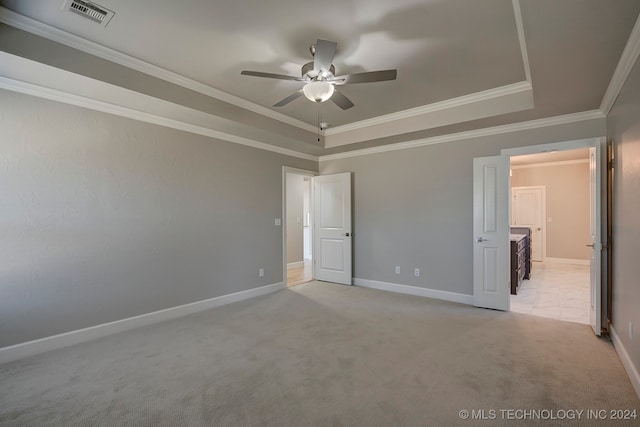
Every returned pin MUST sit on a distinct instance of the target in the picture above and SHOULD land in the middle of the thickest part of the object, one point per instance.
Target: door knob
(480, 240)
(346, 234)
(591, 245)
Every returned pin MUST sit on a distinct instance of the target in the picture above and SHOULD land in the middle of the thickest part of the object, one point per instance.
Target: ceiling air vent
(91, 11)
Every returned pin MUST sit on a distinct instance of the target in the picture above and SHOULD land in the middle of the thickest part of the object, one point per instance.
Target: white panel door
(491, 288)
(332, 227)
(595, 262)
(527, 211)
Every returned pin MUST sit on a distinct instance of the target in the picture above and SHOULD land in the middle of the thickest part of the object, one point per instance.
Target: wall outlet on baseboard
(416, 272)
(630, 330)
(397, 269)
(261, 272)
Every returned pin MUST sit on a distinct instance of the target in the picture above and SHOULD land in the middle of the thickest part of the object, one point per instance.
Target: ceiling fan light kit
(320, 79)
(318, 91)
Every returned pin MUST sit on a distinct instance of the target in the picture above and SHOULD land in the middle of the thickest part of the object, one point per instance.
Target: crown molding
(460, 101)
(625, 64)
(477, 133)
(41, 29)
(548, 164)
(517, 12)
(106, 107)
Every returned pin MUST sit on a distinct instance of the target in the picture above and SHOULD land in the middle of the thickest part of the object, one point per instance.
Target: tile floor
(555, 291)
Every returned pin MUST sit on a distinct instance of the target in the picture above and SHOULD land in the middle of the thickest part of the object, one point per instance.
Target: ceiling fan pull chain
(319, 119)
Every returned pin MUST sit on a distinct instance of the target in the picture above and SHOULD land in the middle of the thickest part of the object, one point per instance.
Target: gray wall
(413, 207)
(104, 218)
(567, 191)
(623, 125)
(295, 214)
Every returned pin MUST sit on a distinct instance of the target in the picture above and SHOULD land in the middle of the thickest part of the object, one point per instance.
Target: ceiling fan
(320, 79)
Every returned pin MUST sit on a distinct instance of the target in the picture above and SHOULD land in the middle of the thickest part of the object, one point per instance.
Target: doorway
(491, 207)
(298, 253)
(550, 196)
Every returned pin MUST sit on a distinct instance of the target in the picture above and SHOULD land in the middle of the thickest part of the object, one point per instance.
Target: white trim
(297, 264)
(627, 362)
(566, 261)
(415, 290)
(547, 164)
(477, 133)
(460, 101)
(41, 29)
(106, 107)
(517, 11)
(625, 64)
(31, 348)
(553, 146)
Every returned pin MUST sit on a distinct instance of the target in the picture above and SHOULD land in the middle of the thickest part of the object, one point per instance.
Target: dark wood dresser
(528, 262)
(519, 261)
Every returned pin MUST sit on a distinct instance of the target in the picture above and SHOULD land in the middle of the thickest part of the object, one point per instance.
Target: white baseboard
(566, 261)
(631, 369)
(414, 290)
(297, 264)
(30, 348)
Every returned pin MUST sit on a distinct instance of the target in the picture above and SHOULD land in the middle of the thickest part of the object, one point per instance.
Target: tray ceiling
(458, 61)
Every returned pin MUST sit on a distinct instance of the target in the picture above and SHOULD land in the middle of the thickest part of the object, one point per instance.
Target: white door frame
(289, 170)
(544, 213)
(600, 143)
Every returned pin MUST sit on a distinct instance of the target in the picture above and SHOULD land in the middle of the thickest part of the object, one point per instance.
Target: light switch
(278, 222)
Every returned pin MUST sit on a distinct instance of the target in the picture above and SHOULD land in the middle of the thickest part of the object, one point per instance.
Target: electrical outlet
(397, 269)
(630, 330)
(416, 272)
(261, 272)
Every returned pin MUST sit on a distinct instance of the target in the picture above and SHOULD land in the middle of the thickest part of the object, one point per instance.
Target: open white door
(528, 210)
(332, 228)
(491, 232)
(595, 263)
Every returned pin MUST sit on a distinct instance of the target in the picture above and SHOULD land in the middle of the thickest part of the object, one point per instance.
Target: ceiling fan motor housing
(309, 73)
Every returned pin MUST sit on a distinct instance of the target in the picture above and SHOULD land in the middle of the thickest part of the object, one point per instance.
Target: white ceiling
(551, 157)
(560, 55)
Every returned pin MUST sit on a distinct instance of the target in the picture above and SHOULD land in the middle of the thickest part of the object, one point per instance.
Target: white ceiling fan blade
(289, 98)
(341, 101)
(270, 75)
(323, 56)
(366, 77)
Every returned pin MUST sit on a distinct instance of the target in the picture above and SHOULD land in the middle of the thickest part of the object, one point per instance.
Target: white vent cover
(94, 12)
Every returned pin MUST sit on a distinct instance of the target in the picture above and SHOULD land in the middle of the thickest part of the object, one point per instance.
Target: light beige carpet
(325, 355)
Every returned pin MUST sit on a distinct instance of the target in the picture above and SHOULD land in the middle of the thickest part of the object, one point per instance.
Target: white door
(527, 210)
(332, 227)
(491, 288)
(595, 312)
